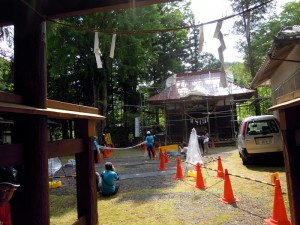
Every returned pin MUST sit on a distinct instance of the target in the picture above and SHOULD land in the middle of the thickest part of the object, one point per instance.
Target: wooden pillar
(85, 172)
(31, 203)
(30, 55)
(290, 125)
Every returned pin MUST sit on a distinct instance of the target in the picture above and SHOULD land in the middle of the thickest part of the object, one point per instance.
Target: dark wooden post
(31, 203)
(85, 172)
(290, 127)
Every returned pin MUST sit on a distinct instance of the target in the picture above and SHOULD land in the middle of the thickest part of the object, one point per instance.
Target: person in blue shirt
(149, 144)
(108, 178)
(96, 149)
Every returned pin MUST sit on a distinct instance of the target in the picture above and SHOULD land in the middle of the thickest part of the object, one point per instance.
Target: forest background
(152, 44)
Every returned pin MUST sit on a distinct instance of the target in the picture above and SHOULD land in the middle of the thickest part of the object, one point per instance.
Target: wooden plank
(288, 97)
(10, 98)
(11, 154)
(284, 105)
(30, 204)
(71, 107)
(64, 8)
(64, 147)
(51, 113)
(85, 172)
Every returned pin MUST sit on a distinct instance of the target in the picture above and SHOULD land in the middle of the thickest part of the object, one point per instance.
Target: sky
(209, 10)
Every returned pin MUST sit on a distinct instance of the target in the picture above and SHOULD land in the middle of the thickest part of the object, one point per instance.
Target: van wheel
(245, 161)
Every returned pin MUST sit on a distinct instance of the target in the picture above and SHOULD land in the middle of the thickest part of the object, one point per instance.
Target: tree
(139, 59)
(6, 36)
(257, 17)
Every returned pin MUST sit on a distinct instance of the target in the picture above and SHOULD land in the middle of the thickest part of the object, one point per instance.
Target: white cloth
(97, 51)
(193, 155)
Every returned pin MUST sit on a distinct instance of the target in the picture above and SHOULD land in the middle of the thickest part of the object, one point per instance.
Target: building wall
(286, 79)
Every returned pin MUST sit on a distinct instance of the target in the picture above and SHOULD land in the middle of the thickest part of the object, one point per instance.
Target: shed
(281, 70)
(30, 110)
(196, 100)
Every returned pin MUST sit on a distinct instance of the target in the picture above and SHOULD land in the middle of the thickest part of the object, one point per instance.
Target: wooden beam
(10, 98)
(65, 8)
(85, 172)
(13, 154)
(71, 107)
(64, 147)
(49, 112)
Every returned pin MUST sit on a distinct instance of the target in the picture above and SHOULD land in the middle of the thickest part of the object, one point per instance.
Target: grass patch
(177, 202)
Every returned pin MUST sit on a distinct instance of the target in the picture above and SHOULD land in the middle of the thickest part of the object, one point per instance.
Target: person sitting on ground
(108, 178)
(8, 184)
(150, 142)
(183, 149)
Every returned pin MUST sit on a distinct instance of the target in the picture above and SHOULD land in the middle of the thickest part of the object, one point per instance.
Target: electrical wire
(141, 32)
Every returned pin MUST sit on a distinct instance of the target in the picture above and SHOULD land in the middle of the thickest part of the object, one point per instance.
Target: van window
(262, 127)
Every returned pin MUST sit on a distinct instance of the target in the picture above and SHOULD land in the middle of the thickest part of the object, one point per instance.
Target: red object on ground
(161, 161)
(228, 193)
(199, 178)
(220, 173)
(179, 173)
(98, 158)
(279, 216)
(166, 157)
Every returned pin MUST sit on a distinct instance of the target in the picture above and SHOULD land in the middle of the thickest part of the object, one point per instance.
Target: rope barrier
(231, 174)
(202, 165)
(53, 177)
(107, 147)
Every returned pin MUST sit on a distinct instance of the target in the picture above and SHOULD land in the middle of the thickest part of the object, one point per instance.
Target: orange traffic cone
(179, 173)
(220, 173)
(166, 157)
(98, 157)
(109, 149)
(279, 213)
(105, 155)
(199, 178)
(161, 161)
(228, 193)
(212, 143)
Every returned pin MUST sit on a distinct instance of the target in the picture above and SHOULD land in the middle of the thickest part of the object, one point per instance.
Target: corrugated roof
(282, 45)
(203, 83)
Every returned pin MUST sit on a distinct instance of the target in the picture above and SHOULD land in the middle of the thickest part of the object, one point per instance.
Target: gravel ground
(137, 173)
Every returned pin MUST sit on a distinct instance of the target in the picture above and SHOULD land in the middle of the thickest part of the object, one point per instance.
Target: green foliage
(265, 33)
(5, 76)
(242, 76)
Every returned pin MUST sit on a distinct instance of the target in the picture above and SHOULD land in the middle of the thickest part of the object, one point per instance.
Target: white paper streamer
(223, 82)
(201, 38)
(218, 29)
(221, 39)
(112, 47)
(97, 51)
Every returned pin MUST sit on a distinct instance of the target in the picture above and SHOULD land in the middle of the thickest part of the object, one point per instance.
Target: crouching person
(108, 180)
(8, 185)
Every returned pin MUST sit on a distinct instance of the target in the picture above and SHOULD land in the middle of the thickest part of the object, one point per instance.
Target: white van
(259, 136)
